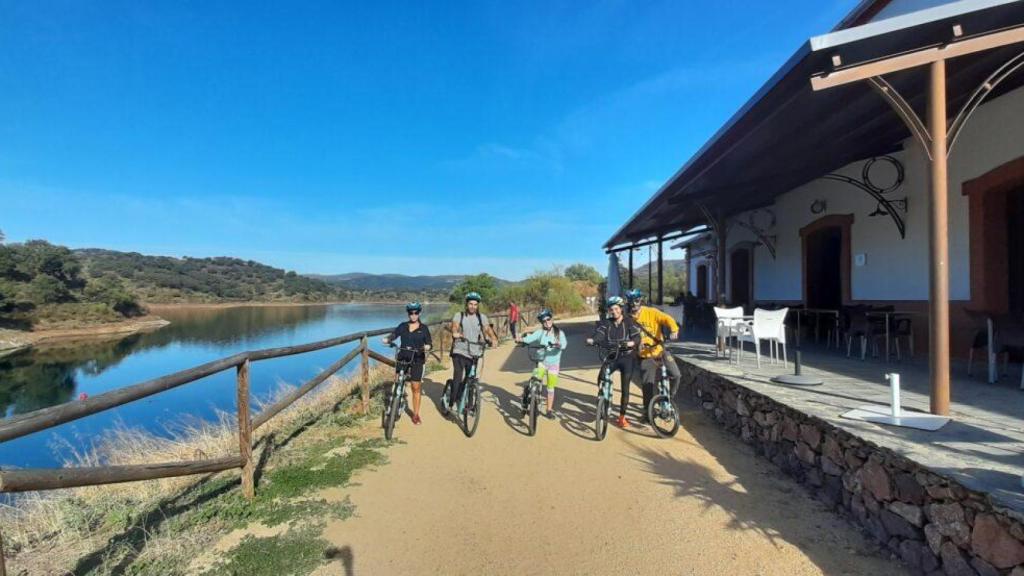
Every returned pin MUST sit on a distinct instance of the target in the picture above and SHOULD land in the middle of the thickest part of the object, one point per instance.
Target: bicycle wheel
(471, 413)
(601, 422)
(534, 401)
(446, 393)
(663, 416)
(392, 415)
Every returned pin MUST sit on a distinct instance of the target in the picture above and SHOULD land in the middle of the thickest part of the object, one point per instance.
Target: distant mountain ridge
(394, 282)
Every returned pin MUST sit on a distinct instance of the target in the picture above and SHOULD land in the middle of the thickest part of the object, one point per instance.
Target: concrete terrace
(982, 447)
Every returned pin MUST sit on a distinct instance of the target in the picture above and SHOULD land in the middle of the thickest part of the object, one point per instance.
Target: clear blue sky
(422, 138)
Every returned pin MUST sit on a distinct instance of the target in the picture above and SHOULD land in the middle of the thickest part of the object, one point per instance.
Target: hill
(669, 267)
(391, 282)
(220, 279)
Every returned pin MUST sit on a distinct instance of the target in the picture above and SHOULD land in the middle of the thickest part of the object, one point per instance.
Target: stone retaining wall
(932, 522)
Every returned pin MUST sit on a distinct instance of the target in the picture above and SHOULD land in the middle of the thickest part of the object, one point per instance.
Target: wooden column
(365, 386)
(650, 274)
(245, 431)
(720, 264)
(661, 272)
(938, 270)
(630, 273)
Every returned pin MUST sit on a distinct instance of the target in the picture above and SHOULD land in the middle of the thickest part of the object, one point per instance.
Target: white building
(822, 193)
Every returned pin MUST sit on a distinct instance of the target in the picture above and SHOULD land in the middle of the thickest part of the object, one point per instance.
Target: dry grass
(57, 526)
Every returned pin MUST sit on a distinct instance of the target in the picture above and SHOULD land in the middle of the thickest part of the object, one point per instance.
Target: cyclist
(614, 330)
(653, 324)
(553, 340)
(471, 331)
(415, 335)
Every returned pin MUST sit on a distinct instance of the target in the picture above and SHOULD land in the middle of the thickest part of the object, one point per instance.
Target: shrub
(45, 289)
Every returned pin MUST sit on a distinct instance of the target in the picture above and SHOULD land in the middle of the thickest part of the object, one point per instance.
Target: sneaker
(550, 415)
(416, 419)
(621, 422)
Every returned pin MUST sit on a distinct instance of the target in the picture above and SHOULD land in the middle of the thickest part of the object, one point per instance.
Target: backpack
(479, 319)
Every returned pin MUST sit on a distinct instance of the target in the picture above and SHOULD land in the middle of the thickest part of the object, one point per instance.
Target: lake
(52, 375)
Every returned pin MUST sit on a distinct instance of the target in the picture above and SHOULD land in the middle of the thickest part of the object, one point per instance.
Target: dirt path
(561, 503)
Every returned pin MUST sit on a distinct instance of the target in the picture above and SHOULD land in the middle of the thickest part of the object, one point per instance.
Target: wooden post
(661, 272)
(3, 565)
(245, 431)
(938, 271)
(631, 269)
(720, 267)
(366, 374)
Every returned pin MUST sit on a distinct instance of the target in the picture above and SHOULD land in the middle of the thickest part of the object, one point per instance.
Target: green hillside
(221, 279)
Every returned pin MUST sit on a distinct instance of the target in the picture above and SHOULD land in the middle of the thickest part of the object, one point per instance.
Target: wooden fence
(21, 480)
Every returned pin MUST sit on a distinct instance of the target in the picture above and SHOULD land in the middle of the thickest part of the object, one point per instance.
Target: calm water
(54, 375)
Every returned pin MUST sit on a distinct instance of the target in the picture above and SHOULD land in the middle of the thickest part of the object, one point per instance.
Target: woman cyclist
(610, 333)
(415, 335)
(553, 342)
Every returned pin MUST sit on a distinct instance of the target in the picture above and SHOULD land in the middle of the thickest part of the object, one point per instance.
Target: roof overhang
(787, 134)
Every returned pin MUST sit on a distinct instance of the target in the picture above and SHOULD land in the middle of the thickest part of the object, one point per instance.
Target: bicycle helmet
(544, 314)
(473, 296)
(413, 307)
(634, 295)
(615, 301)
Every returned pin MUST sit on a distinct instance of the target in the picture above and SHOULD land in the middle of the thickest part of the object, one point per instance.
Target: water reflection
(57, 374)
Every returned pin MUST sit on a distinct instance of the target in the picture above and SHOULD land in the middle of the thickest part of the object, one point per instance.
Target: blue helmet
(473, 296)
(544, 314)
(413, 307)
(615, 301)
(634, 295)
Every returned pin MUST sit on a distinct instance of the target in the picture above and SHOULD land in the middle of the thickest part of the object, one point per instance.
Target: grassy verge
(170, 526)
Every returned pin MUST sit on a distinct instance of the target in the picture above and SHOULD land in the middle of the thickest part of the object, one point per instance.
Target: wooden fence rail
(22, 480)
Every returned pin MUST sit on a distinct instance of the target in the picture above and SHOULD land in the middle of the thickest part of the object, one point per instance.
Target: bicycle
(468, 410)
(608, 357)
(533, 390)
(395, 401)
(661, 411)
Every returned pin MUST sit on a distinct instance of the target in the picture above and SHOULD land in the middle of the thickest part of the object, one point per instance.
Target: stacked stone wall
(933, 523)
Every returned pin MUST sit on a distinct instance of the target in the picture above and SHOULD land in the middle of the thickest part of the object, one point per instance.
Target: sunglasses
(413, 313)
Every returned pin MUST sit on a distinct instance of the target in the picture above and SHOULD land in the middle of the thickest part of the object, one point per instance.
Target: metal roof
(787, 135)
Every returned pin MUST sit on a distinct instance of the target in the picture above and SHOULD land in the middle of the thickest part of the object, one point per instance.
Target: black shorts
(413, 364)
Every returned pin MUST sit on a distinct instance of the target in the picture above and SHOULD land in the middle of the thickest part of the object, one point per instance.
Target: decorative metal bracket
(886, 207)
(918, 128)
(760, 229)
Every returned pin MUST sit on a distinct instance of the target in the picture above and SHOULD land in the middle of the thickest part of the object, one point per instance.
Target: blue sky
(419, 138)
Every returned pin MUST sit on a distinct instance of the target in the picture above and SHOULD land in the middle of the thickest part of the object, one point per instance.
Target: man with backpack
(471, 332)
(653, 324)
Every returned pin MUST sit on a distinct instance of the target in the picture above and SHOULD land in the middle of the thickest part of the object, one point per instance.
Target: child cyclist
(553, 341)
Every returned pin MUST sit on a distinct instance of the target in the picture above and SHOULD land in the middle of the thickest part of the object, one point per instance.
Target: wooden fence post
(3, 565)
(245, 431)
(366, 374)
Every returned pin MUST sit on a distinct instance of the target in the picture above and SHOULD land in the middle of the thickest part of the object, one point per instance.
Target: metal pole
(661, 273)
(938, 270)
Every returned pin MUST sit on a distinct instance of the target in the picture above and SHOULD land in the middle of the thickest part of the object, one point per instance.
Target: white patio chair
(727, 320)
(768, 325)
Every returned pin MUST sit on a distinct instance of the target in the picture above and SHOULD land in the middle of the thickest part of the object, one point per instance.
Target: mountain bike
(533, 390)
(661, 411)
(468, 410)
(609, 355)
(395, 401)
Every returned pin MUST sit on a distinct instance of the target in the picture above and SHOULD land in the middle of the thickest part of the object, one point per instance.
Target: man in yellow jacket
(653, 324)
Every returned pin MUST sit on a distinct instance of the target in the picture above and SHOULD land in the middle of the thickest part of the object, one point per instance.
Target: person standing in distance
(513, 319)
(471, 332)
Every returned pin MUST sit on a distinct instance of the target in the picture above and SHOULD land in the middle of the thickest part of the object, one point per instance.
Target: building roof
(787, 135)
